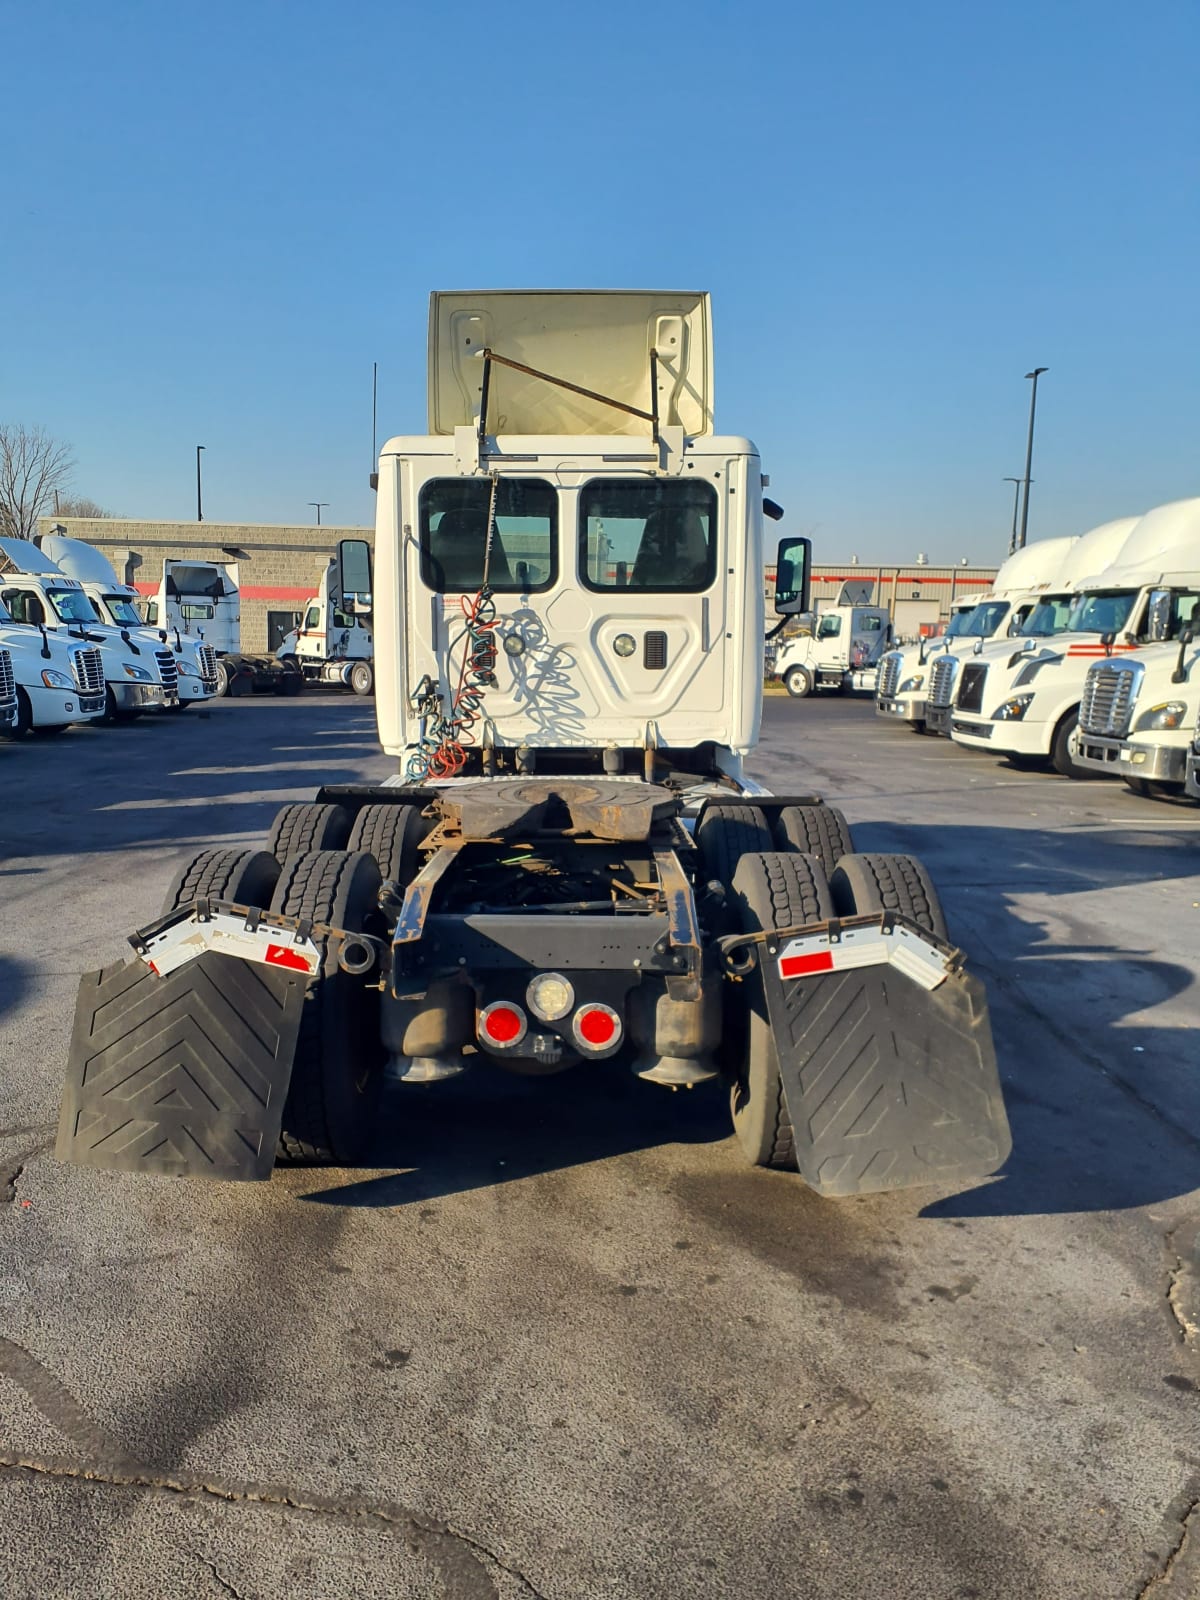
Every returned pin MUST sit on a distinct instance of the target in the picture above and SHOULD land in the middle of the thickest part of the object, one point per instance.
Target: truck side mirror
(354, 575)
(793, 563)
(1158, 616)
(1181, 671)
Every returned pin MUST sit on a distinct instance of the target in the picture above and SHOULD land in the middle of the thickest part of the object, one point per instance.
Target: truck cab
(1027, 706)
(332, 643)
(841, 649)
(919, 680)
(137, 676)
(1138, 713)
(201, 600)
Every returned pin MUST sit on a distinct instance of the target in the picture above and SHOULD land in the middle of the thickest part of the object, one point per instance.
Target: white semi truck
(115, 604)
(333, 641)
(1142, 584)
(842, 651)
(54, 682)
(906, 677)
(569, 864)
(137, 676)
(202, 600)
(1139, 711)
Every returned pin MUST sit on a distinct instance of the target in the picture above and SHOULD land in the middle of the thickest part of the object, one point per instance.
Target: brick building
(279, 566)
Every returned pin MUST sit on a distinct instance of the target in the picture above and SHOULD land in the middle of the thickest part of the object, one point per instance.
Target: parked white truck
(137, 676)
(569, 864)
(1142, 584)
(115, 604)
(55, 682)
(1139, 712)
(202, 600)
(333, 642)
(905, 680)
(843, 649)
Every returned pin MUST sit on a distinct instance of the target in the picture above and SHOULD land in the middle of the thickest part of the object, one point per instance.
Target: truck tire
(1154, 789)
(1061, 759)
(247, 876)
(222, 680)
(115, 715)
(864, 884)
(820, 831)
(24, 722)
(391, 835)
(798, 682)
(362, 677)
(330, 1112)
(771, 890)
(727, 833)
(308, 825)
(291, 678)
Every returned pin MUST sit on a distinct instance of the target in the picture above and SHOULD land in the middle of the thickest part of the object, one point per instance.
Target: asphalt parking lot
(560, 1342)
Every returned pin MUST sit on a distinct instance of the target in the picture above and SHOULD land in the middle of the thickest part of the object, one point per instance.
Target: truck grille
(8, 683)
(971, 686)
(208, 665)
(1109, 691)
(889, 676)
(167, 671)
(941, 679)
(87, 668)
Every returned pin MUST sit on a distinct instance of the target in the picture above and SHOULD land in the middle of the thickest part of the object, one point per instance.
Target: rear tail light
(596, 1027)
(502, 1025)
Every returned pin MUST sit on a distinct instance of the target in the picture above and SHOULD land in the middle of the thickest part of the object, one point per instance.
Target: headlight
(911, 685)
(1168, 715)
(1013, 709)
(187, 669)
(56, 680)
(138, 674)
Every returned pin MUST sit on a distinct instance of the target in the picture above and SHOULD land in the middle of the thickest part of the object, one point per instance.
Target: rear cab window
(453, 519)
(658, 536)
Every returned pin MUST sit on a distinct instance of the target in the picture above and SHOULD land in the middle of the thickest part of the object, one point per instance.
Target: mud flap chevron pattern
(184, 1075)
(887, 1084)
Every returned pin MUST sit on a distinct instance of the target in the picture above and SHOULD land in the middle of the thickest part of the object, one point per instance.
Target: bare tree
(32, 467)
(78, 505)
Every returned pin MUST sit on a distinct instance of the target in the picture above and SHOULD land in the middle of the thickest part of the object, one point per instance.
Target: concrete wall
(283, 570)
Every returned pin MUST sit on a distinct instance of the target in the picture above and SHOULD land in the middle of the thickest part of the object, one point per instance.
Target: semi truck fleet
(907, 678)
(1142, 586)
(137, 676)
(569, 867)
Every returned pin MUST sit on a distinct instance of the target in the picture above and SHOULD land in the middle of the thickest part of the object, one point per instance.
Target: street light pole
(199, 502)
(1035, 374)
(318, 504)
(1012, 543)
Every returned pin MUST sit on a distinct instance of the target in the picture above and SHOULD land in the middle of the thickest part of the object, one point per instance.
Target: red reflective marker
(281, 955)
(799, 966)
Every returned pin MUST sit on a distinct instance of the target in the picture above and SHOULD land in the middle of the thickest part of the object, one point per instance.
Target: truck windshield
(123, 611)
(454, 530)
(983, 622)
(829, 627)
(71, 605)
(957, 626)
(1102, 612)
(649, 534)
(1048, 616)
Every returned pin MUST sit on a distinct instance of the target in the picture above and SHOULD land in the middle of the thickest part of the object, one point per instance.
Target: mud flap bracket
(184, 1074)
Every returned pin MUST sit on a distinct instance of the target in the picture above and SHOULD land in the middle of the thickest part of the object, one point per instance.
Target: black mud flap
(183, 1075)
(888, 1085)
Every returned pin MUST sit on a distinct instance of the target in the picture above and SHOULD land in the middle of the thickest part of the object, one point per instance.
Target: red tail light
(596, 1027)
(502, 1025)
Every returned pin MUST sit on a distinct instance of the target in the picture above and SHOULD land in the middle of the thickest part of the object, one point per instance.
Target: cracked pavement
(559, 1341)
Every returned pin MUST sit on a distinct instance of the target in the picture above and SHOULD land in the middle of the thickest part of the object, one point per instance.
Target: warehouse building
(279, 568)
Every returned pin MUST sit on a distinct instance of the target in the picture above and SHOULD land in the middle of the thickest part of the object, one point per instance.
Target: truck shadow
(1096, 1054)
(491, 1127)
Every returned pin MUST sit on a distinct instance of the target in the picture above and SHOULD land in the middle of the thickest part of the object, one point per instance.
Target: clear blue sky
(216, 217)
